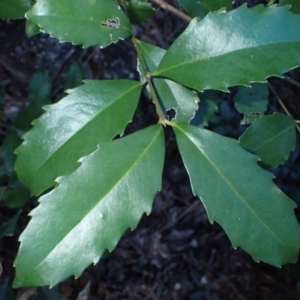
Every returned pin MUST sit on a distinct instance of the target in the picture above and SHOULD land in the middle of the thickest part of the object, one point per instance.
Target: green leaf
(207, 108)
(139, 10)
(15, 196)
(171, 95)
(193, 8)
(240, 195)
(14, 9)
(209, 56)
(9, 144)
(213, 5)
(74, 76)
(40, 88)
(174, 96)
(91, 114)
(39, 95)
(89, 23)
(271, 138)
(252, 101)
(31, 28)
(152, 56)
(107, 194)
(9, 227)
(295, 5)
(201, 8)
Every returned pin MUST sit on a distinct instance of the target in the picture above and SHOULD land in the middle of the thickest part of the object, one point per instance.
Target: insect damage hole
(112, 23)
(172, 113)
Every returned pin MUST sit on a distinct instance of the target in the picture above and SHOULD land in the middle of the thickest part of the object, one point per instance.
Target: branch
(173, 10)
(292, 81)
(282, 105)
(159, 110)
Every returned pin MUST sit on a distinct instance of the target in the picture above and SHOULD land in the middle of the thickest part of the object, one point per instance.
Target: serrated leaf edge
(47, 108)
(255, 159)
(60, 179)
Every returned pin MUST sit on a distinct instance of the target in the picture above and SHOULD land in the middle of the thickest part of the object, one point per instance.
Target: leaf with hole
(70, 21)
(171, 95)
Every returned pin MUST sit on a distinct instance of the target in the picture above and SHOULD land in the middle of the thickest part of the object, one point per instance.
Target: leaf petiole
(148, 77)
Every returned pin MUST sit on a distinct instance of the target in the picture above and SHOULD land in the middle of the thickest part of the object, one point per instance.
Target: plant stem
(159, 110)
(292, 81)
(283, 105)
(173, 10)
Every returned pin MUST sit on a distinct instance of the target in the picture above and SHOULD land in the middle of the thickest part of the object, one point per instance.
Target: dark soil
(175, 253)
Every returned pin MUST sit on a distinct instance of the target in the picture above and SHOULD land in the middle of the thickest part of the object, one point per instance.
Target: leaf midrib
(270, 139)
(157, 73)
(100, 112)
(109, 190)
(232, 188)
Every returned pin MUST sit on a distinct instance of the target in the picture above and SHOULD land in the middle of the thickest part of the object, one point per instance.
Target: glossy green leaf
(209, 56)
(193, 8)
(92, 22)
(171, 95)
(31, 28)
(271, 138)
(174, 96)
(152, 56)
(14, 9)
(91, 114)
(200, 8)
(91, 208)
(240, 195)
(295, 5)
(252, 101)
(139, 10)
